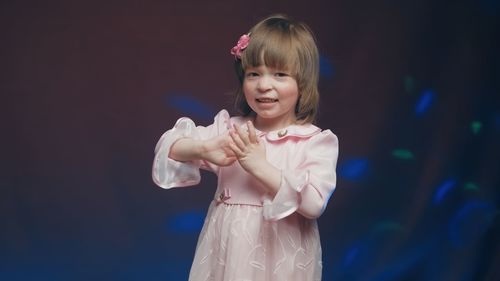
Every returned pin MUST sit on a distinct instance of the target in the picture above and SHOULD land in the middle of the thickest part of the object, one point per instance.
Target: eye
(251, 74)
(281, 74)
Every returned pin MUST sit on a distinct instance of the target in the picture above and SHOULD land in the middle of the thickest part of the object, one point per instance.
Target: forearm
(269, 176)
(186, 149)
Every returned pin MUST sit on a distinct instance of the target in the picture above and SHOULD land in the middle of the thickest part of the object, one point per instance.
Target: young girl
(276, 171)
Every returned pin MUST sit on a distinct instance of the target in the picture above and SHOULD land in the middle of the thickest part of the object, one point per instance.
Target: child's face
(272, 94)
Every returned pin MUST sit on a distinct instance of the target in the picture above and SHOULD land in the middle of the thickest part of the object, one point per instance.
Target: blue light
(424, 102)
(442, 190)
(470, 222)
(351, 254)
(497, 120)
(190, 107)
(326, 69)
(353, 169)
(186, 223)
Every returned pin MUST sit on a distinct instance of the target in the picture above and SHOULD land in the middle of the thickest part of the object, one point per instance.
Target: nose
(264, 84)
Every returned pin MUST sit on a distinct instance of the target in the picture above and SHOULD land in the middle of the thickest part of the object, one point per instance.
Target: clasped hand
(237, 145)
(247, 148)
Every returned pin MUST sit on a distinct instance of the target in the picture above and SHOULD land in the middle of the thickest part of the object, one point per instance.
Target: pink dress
(247, 235)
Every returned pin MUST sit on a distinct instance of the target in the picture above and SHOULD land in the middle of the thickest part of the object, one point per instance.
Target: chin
(266, 115)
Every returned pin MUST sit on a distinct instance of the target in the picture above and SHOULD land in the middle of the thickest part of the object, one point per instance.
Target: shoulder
(324, 144)
(318, 140)
(224, 121)
(326, 136)
(323, 139)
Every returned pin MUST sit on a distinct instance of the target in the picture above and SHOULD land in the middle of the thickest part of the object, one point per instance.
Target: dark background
(411, 88)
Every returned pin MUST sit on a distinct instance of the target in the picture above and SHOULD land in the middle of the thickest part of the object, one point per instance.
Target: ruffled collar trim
(292, 131)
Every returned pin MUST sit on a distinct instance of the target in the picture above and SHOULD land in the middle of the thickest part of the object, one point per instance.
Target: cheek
(247, 97)
(290, 88)
(246, 90)
(291, 92)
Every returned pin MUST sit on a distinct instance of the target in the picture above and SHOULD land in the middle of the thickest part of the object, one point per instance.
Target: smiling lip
(266, 100)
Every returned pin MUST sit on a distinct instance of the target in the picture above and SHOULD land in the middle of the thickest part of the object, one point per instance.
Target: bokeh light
(424, 102)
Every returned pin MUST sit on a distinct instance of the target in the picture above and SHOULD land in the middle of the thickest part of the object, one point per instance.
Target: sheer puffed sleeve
(307, 188)
(168, 173)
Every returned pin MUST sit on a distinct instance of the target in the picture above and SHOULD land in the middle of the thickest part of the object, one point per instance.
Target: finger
(252, 136)
(243, 135)
(236, 150)
(237, 140)
(227, 149)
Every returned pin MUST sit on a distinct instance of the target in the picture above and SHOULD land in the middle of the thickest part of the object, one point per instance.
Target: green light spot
(402, 154)
(409, 83)
(472, 186)
(385, 226)
(476, 127)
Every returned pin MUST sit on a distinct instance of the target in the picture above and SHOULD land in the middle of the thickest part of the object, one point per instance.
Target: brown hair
(282, 43)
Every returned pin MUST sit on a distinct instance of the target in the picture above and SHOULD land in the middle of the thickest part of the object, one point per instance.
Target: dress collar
(292, 131)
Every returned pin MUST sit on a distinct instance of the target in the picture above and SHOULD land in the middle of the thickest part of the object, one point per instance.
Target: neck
(268, 125)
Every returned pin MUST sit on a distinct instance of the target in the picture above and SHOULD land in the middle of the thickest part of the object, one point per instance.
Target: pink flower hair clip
(240, 46)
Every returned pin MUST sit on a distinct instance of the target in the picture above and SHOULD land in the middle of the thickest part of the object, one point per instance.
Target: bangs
(271, 49)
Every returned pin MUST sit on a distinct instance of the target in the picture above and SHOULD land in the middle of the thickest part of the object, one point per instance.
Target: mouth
(266, 100)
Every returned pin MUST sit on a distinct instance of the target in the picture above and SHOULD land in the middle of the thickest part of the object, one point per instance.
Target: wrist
(199, 149)
(184, 149)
